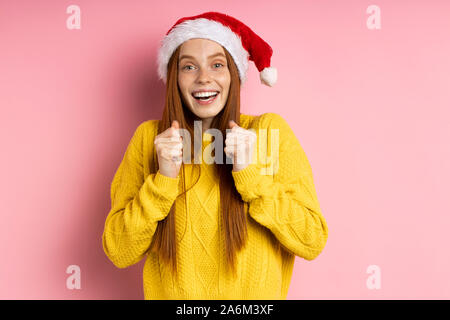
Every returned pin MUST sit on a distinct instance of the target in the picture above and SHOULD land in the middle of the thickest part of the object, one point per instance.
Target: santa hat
(239, 40)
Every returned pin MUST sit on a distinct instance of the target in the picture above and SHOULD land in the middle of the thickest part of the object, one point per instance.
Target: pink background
(370, 108)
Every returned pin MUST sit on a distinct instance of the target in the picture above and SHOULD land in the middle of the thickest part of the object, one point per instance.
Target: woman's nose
(203, 76)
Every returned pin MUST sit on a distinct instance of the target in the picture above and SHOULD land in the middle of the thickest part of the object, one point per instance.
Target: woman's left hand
(239, 146)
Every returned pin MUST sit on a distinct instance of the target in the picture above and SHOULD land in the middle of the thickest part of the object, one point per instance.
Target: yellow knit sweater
(281, 204)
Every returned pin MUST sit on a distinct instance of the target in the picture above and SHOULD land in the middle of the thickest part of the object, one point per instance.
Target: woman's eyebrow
(211, 56)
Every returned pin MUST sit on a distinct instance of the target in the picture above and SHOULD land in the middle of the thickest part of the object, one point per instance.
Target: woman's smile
(207, 100)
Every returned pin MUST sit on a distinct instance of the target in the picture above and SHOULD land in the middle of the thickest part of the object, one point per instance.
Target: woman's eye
(187, 67)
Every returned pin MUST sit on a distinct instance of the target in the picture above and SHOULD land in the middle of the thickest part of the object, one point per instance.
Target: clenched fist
(169, 148)
(239, 146)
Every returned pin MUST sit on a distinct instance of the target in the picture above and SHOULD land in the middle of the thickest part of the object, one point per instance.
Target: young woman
(216, 229)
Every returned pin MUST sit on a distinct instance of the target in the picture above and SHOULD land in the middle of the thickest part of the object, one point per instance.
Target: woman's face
(202, 66)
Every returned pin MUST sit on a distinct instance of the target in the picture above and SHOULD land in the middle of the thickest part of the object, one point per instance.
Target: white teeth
(205, 94)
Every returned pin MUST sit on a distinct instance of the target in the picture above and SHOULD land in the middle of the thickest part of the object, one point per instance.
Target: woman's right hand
(169, 148)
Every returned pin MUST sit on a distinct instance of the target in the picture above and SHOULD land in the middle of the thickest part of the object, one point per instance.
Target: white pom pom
(268, 76)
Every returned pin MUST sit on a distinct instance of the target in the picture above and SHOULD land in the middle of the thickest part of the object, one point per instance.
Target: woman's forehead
(200, 47)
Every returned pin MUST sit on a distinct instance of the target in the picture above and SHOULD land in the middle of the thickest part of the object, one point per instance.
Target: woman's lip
(204, 91)
(206, 102)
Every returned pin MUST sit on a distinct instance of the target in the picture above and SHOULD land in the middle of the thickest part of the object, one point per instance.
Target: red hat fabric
(239, 40)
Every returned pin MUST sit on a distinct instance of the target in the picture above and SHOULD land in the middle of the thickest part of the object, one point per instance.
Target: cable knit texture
(280, 201)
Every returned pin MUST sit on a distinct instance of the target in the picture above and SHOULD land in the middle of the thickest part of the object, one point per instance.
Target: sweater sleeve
(285, 200)
(137, 204)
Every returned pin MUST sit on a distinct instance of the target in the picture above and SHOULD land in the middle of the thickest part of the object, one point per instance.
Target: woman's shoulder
(148, 127)
(151, 123)
(262, 121)
(145, 130)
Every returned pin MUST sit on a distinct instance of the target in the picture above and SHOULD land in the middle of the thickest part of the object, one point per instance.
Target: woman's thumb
(232, 124)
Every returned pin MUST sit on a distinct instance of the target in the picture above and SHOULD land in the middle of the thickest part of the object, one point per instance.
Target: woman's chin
(207, 111)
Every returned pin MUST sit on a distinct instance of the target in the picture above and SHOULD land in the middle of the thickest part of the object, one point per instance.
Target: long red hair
(232, 207)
